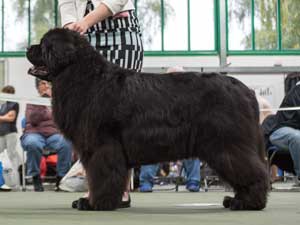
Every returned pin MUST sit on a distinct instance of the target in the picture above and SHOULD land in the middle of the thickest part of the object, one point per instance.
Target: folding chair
(280, 158)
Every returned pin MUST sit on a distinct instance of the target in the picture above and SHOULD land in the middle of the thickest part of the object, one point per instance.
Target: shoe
(146, 188)
(193, 186)
(58, 179)
(37, 184)
(123, 204)
(81, 203)
(297, 183)
(4, 187)
(75, 204)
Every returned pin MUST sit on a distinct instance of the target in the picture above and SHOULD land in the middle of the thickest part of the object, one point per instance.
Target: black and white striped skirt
(118, 39)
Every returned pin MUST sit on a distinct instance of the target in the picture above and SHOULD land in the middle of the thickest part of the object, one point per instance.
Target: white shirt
(73, 10)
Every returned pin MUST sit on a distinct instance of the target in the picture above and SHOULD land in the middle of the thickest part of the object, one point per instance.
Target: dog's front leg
(107, 175)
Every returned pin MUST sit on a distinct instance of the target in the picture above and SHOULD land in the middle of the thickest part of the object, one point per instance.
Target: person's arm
(115, 6)
(98, 14)
(106, 9)
(35, 114)
(68, 12)
(8, 117)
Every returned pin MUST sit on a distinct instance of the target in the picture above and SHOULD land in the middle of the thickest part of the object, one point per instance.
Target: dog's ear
(58, 53)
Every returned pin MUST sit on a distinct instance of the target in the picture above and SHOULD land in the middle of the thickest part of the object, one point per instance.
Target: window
(239, 25)
(202, 14)
(42, 18)
(149, 14)
(265, 22)
(185, 26)
(172, 27)
(290, 24)
(15, 32)
(175, 25)
(1, 26)
(264, 26)
(2, 73)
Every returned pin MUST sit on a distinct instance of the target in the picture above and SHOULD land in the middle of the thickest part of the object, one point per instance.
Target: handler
(112, 27)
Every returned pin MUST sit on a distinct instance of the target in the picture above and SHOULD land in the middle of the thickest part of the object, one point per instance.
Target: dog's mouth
(38, 71)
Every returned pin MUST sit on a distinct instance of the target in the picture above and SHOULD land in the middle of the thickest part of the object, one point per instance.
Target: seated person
(41, 133)
(285, 133)
(192, 170)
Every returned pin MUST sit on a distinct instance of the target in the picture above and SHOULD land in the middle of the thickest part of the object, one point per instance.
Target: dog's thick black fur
(117, 119)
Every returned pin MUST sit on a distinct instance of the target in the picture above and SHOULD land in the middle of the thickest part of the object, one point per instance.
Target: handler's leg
(107, 176)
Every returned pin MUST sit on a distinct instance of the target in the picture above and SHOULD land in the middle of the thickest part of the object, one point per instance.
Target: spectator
(192, 171)
(285, 133)
(191, 166)
(41, 133)
(8, 132)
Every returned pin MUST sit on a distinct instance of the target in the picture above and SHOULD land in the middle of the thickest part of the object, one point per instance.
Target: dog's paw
(236, 204)
(83, 204)
(105, 204)
(233, 203)
(75, 204)
(227, 201)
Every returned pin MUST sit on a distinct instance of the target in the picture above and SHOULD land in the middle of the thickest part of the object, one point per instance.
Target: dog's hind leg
(246, 172)
(107, 174)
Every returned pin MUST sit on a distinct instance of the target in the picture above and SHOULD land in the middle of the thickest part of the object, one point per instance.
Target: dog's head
(58, 49)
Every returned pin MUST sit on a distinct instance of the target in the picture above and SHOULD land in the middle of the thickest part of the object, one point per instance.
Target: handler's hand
(80, 27)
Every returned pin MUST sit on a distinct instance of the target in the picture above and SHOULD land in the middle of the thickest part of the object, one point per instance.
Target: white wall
(268, 86)
(271, 87)
(264, 60)
(170, 61)
(17, 76)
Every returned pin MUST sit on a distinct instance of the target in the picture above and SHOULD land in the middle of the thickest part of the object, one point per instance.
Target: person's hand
(80, 27)
(69, 26)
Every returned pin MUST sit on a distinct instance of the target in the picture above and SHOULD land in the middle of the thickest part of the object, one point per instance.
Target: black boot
(37, 183)
(58, 179)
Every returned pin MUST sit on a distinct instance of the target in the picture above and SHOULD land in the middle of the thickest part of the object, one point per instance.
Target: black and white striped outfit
(118, 39)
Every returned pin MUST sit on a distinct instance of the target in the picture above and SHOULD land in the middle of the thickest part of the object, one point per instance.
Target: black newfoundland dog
(117, 119)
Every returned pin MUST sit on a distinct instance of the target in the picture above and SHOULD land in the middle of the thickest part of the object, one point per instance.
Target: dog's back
(174, 115)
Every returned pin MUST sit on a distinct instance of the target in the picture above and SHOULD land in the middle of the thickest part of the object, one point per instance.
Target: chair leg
(23, 172)
(205, 184)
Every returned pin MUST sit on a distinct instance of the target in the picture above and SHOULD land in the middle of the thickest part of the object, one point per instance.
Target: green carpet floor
(182, 208)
